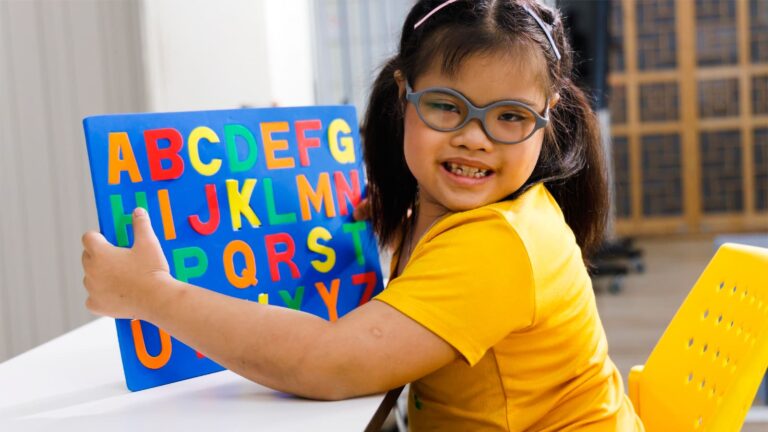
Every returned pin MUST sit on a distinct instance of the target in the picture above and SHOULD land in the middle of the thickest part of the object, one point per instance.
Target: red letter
(304, 142)
(369, 279)
(155, 155)
(276, 257)
(213, 209)
(344, 191)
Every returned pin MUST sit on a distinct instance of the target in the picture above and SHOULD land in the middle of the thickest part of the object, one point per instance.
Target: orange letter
(150, 361)
(166, 215)
(329, 298)
(119, 143)
(323, 195)
(271, 145)
(248, 278)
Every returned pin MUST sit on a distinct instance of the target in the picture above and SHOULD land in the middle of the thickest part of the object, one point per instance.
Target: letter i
(166, 214)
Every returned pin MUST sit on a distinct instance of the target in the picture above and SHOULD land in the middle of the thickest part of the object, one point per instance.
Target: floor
(636, 317)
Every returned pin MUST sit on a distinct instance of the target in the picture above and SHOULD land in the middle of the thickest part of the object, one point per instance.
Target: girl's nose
(472, 137)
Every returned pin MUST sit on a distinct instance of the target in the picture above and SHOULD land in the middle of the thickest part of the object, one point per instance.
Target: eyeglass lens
(505, 122)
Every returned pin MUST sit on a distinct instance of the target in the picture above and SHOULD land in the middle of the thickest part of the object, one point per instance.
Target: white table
(75, 383)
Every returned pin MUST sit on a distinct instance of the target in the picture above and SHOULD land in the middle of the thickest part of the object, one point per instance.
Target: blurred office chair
(705, 370)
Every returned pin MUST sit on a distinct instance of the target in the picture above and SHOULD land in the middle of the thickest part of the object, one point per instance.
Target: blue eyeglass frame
(476, 112)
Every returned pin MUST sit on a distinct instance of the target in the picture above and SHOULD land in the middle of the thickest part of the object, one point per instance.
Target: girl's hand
(119, 280)
(363, 210)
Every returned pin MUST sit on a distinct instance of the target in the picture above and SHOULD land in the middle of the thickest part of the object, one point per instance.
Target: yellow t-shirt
(506, 286)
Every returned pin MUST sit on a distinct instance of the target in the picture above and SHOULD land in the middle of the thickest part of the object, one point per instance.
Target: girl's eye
(443, 106)
(512, 116)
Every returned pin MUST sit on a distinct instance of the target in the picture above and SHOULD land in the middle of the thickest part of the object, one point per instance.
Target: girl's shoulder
(534, 209)
(532, 222)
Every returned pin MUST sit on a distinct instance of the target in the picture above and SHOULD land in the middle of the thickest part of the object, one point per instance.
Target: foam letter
(240, 203)
(314, 245)
(346, 192)
(346, 153)
(274, 257)
(155, 155)
(198, 133)
(274, 217)
(121, 220)
(295, 302)
(369, 279)
(120, 144)
(180, 256)
(323, 195)
(329, 297)
(271, 145)
(150, 361)
(209, 227)
(304, 142)
(248, 277)
(231, 132)
(169, 228)
(354, 228)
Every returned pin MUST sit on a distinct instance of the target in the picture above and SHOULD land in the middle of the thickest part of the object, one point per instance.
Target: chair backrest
(707, 367)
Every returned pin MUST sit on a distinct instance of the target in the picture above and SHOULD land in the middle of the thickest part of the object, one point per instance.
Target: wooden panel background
(59, 62)
(690, 73)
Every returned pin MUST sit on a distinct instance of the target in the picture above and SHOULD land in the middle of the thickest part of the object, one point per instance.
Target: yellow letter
(346, 154)
(240, 202)
(198, 133)
(314, 245)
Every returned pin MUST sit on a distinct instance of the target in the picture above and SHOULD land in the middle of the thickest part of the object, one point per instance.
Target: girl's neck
(424, 219)
(426, 215)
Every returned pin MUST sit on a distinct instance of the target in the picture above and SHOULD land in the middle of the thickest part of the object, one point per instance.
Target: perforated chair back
(707, 367)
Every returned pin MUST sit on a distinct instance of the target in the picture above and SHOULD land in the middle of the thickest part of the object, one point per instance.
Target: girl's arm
(369, 350)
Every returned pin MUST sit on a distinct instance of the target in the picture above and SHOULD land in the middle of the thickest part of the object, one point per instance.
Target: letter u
(150, 361)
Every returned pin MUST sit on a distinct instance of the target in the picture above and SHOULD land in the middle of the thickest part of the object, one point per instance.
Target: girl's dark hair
(571, 160)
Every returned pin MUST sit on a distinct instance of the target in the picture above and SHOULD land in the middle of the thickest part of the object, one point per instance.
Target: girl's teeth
(466, 171)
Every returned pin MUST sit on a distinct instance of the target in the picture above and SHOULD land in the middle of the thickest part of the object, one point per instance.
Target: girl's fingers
(362, 210)
(142, 229)
(92, 240)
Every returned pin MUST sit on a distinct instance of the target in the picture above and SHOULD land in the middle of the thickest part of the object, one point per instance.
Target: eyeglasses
(506, 121)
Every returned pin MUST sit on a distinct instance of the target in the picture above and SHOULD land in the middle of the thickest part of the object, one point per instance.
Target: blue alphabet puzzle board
(252, 203)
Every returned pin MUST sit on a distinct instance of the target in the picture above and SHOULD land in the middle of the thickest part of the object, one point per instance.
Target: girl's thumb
(142, 229)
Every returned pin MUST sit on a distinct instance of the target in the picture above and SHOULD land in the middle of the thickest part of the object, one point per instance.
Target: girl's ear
(554, 100)
(400, 80)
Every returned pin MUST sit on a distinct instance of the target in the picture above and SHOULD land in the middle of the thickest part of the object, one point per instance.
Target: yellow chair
(707, 367)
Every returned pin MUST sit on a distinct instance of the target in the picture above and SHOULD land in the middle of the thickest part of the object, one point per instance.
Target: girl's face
(466, 169)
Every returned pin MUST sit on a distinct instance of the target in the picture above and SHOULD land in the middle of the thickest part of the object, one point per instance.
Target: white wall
(59, 61)
(203, 54)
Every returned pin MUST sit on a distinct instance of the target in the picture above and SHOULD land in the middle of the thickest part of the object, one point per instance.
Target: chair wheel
(615, 286)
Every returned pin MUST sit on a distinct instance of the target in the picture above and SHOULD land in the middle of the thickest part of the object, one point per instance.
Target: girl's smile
(465, 168)
(467, 172)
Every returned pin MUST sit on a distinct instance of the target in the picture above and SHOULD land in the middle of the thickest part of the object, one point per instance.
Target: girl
(485, 174)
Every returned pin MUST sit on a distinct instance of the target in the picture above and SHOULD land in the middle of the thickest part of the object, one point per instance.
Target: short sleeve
(469, 281)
